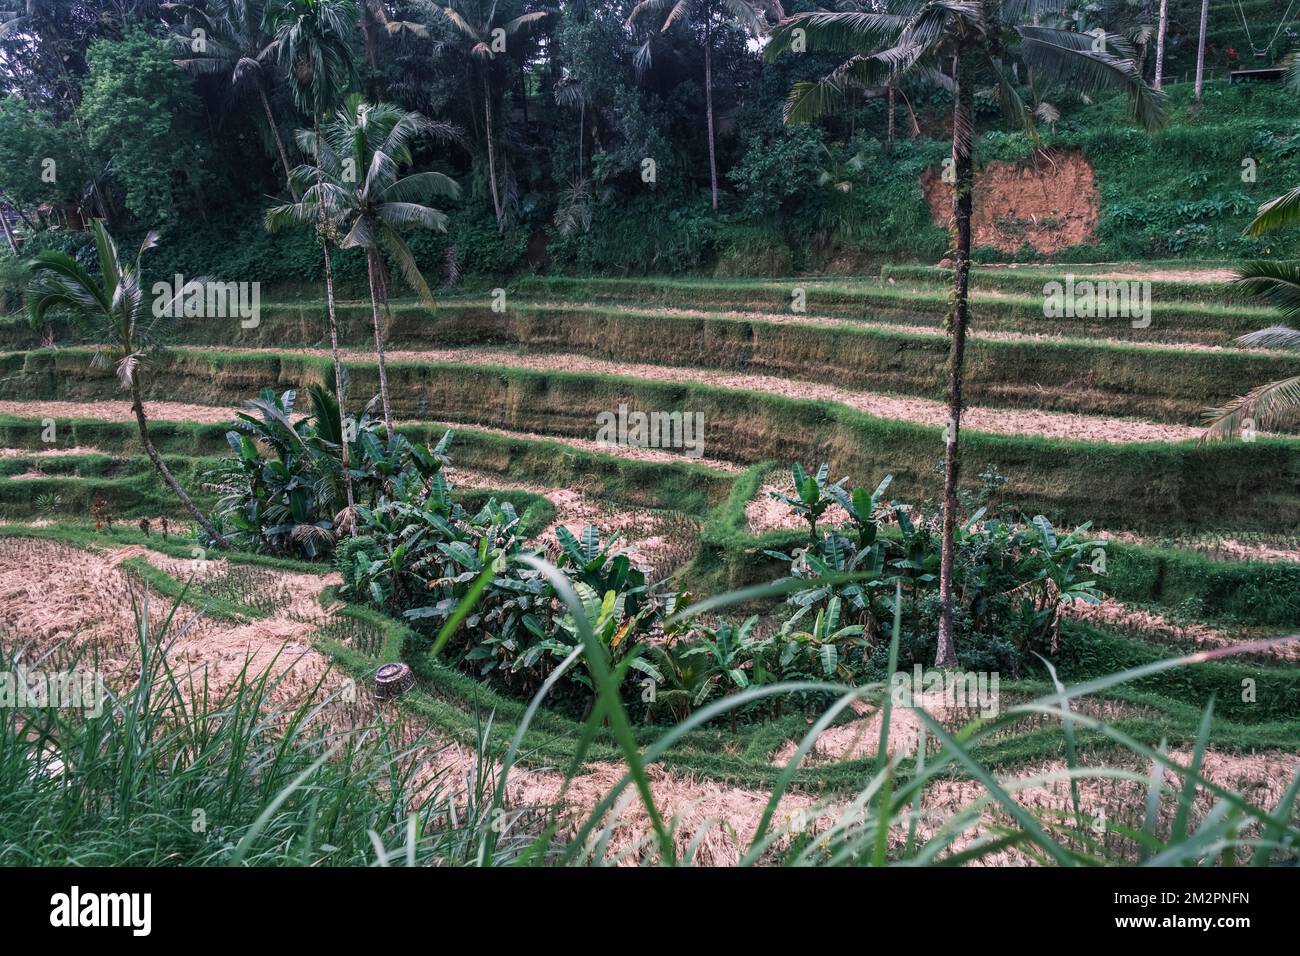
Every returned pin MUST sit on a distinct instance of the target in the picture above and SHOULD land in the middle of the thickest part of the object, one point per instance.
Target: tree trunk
(492, 161)
(1160, 42)
(338, 382)
(889, 134)
(1200, 50)
(275, 131)
(376, 291)
(137, 406)
(523, 92)
(708, 103)
(13, 244)
(334, 352)
(962, 160)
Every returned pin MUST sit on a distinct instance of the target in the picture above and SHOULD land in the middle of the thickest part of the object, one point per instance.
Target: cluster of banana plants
(282, 490)
(1013, 578)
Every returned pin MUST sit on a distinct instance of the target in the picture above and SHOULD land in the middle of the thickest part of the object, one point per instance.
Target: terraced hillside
(1079, 421)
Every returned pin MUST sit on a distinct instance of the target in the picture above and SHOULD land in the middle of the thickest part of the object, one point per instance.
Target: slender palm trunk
(708, 103)
(962, 147)
(376, 278)
(889, 134)
(137, 406)
(1160, 43)
(491, 150)
(275, 132)
(338, 383)
(1200, 50)
(334, 353)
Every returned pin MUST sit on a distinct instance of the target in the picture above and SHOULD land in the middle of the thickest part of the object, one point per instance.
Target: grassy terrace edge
(1165, 487)
(875, 299)
(1110, 378)
(1253, 593)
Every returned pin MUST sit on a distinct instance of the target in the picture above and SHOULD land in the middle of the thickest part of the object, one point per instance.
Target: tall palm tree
(969, 41)
(749, 15)
(237, 47)
(355, 183)
(311, 43)
(1278, 284)
(112, 305)
(478, 26)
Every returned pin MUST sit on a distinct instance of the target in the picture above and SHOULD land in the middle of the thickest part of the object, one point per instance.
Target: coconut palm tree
(237, 47)
(311, 44)
(749, 15)
(1278, 284)
(355, 183)
(485, 37)
(968, 41)
(112, 306)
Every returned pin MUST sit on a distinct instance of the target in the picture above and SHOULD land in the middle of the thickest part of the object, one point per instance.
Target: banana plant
(811, 495)
(596, 564)
(727, 648)
(861, 507)
(615, 628)
(815, 653)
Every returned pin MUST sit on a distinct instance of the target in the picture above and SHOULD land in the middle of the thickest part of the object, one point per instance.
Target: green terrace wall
(1170, 320)
(679, 486)
(1146, 486)
(1152, 382)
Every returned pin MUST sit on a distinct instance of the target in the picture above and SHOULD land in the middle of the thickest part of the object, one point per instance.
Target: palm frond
(1283, 210)
(419, 187)
(1273, 337)
(826, 32)
(1066, 57)
(401, 253)
(1277, 283)
(1269, 405)
(400, 215)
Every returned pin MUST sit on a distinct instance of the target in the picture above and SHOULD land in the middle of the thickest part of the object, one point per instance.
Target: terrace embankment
(1135, 485)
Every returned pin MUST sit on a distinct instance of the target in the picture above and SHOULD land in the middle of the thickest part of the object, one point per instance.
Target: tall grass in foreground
(175, 772)
(288, 786)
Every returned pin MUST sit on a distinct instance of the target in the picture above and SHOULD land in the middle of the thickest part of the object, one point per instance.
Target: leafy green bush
(1012, 580)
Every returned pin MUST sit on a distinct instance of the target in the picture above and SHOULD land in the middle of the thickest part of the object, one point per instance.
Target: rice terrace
(649, 434)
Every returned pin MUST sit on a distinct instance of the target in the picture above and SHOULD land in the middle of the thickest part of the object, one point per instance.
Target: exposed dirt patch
(74, 452)
(118, 411)
(1106, 270)
(1048, 206)
(1222, 547)
(114, 411)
